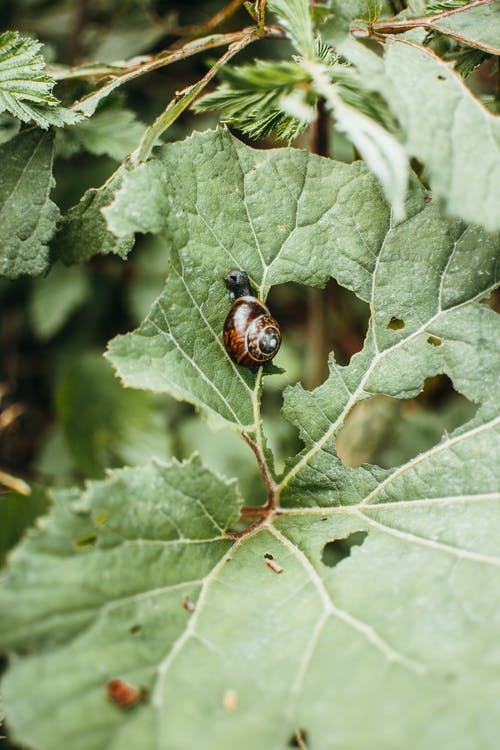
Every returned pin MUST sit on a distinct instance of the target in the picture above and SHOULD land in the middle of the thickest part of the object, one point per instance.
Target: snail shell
(251, 336)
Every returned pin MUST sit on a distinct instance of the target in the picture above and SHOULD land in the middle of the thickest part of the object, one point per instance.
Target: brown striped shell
(251, 335)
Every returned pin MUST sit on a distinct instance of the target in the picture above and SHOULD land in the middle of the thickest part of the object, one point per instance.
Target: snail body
(251, 335)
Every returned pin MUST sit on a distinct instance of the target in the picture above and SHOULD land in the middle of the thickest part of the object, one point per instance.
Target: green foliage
(114, 131)
(104, 424)
(253, 98)
(28, 214)
(56, 297)
(25, 86)
(17, 513)
(279, 98)
(84, 232)
(454, 116)
(295, 15)
(353, 563)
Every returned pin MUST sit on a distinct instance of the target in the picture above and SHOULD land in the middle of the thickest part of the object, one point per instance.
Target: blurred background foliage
(65, 417)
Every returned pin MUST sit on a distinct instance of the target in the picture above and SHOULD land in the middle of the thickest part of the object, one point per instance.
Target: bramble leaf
(84, 232)
(27, 214)
(26, 87)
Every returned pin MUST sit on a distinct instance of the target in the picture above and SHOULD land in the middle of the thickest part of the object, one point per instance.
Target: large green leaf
(382, 629)
(27, 215)
(445, 125)
(282, 215)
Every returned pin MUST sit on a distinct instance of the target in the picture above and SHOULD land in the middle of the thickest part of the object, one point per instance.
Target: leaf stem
(130, 71)
(261, 14)
(264, 470)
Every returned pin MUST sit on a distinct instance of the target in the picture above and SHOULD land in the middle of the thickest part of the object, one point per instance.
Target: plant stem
(200, 29)
(261, 14)
(266, 474)
(316, 348)
(119, 76)
(430, 23)
(183, 98)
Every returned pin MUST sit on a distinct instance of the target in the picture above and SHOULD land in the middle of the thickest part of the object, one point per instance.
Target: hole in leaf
(299, 739)
(86, 541)
(492, 300)
(268, 556)
(441, 78)
(434, 341)
(389, 431)
(337, 550)
(135, 629)
(395, 324)
(314, 322)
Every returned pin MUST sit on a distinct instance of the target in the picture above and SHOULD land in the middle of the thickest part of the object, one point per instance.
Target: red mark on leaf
(273, 565)
(188, 604)
(124, 695)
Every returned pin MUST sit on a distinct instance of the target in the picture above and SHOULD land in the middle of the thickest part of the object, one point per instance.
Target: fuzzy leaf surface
(445, 126)
(477, 25)
(84, 232)
(375, 650)
(25, 86)
(295, 16)
(27, 215)
(282, 215)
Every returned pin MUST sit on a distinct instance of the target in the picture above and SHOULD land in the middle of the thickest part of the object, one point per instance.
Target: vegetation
(197, 554)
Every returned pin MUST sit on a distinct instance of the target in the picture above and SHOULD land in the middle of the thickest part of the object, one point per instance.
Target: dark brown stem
(201, 29)
(244, 532)
(167, 57)
(266, 474)
(316, 365)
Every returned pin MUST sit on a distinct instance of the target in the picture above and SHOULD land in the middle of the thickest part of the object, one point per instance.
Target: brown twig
(167, 57)
(430, 23)
(184, 98)
(200, 29)
(316, 335)
(264, 470)
(14, 483)
(9, 414)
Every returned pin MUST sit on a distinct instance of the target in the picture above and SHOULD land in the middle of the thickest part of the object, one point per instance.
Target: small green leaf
(25, 86)
(113, 131)
(55, 297)
(27, 215)
(84, 232)
(104, 424)
(295, 16)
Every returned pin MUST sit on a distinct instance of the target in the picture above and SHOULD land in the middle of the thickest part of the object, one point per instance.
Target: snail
(251, 336)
